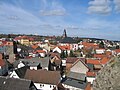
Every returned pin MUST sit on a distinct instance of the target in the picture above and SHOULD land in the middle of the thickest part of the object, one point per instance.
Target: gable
(79, 67)
(20, 65)
(14, 75)
(57, 49)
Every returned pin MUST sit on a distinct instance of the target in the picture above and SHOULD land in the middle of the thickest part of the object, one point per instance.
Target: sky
(82, 18)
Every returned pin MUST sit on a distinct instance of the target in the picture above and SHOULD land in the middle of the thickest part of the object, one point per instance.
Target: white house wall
(71, 87)
(41, 86)
(90, 79)
(33, 68)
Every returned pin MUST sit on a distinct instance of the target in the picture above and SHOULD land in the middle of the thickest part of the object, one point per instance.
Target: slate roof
(77, 76)
(21, 71)
(91, 74)
(68, 40)
(75, 83)
(43, 76)
(90, 66)
(14, 84)
(43, 61)
(34, 64)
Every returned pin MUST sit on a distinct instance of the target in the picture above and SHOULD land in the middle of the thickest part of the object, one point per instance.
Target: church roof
(68, 40)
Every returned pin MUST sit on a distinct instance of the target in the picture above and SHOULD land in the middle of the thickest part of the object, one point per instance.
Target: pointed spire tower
(64, 34)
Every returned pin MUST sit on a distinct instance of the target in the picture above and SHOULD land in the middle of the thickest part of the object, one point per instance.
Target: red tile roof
(91, 74)
(24, 37)
(34, 46)
(92, 61)
(40, 51)
(105, 60)
(108, 53)
(99, 56)
(90, 45)
(64, 47)
(71, 60)
(117, 50)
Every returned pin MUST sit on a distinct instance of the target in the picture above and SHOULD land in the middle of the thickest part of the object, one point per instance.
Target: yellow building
(25, 41)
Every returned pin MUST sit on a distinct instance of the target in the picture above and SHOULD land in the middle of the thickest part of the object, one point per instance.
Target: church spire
(64, 33)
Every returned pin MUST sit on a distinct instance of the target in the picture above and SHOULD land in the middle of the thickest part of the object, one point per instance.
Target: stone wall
(108, 77)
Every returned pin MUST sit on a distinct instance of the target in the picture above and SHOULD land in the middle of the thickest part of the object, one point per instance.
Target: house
(90, 45)
(100, 51)
(45, 45)
(42, 53)
(43, 79)
(68, 41)
(93, 61)
(116, 52)
(59, 49)
(79, 67)
(76, 77)
(74, 84)
(25, 40)
(55, 63)
(97, 65)
(16, 84)
(69, 62)
(3, 66)
(44, 62)
(90, 76)
(19, 73)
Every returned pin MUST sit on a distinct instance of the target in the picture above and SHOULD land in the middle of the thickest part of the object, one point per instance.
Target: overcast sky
(82, 18)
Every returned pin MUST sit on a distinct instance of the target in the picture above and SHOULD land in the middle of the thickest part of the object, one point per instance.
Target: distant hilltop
(46, 36)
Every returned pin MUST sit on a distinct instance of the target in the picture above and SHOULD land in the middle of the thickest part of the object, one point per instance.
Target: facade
(59, 49)
(100, 51)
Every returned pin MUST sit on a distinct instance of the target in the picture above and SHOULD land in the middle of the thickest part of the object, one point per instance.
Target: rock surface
(108, 77)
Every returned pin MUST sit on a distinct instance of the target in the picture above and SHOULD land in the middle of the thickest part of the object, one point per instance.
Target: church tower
(64, 34)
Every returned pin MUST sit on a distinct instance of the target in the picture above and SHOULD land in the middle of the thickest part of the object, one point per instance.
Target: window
(40, 85)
